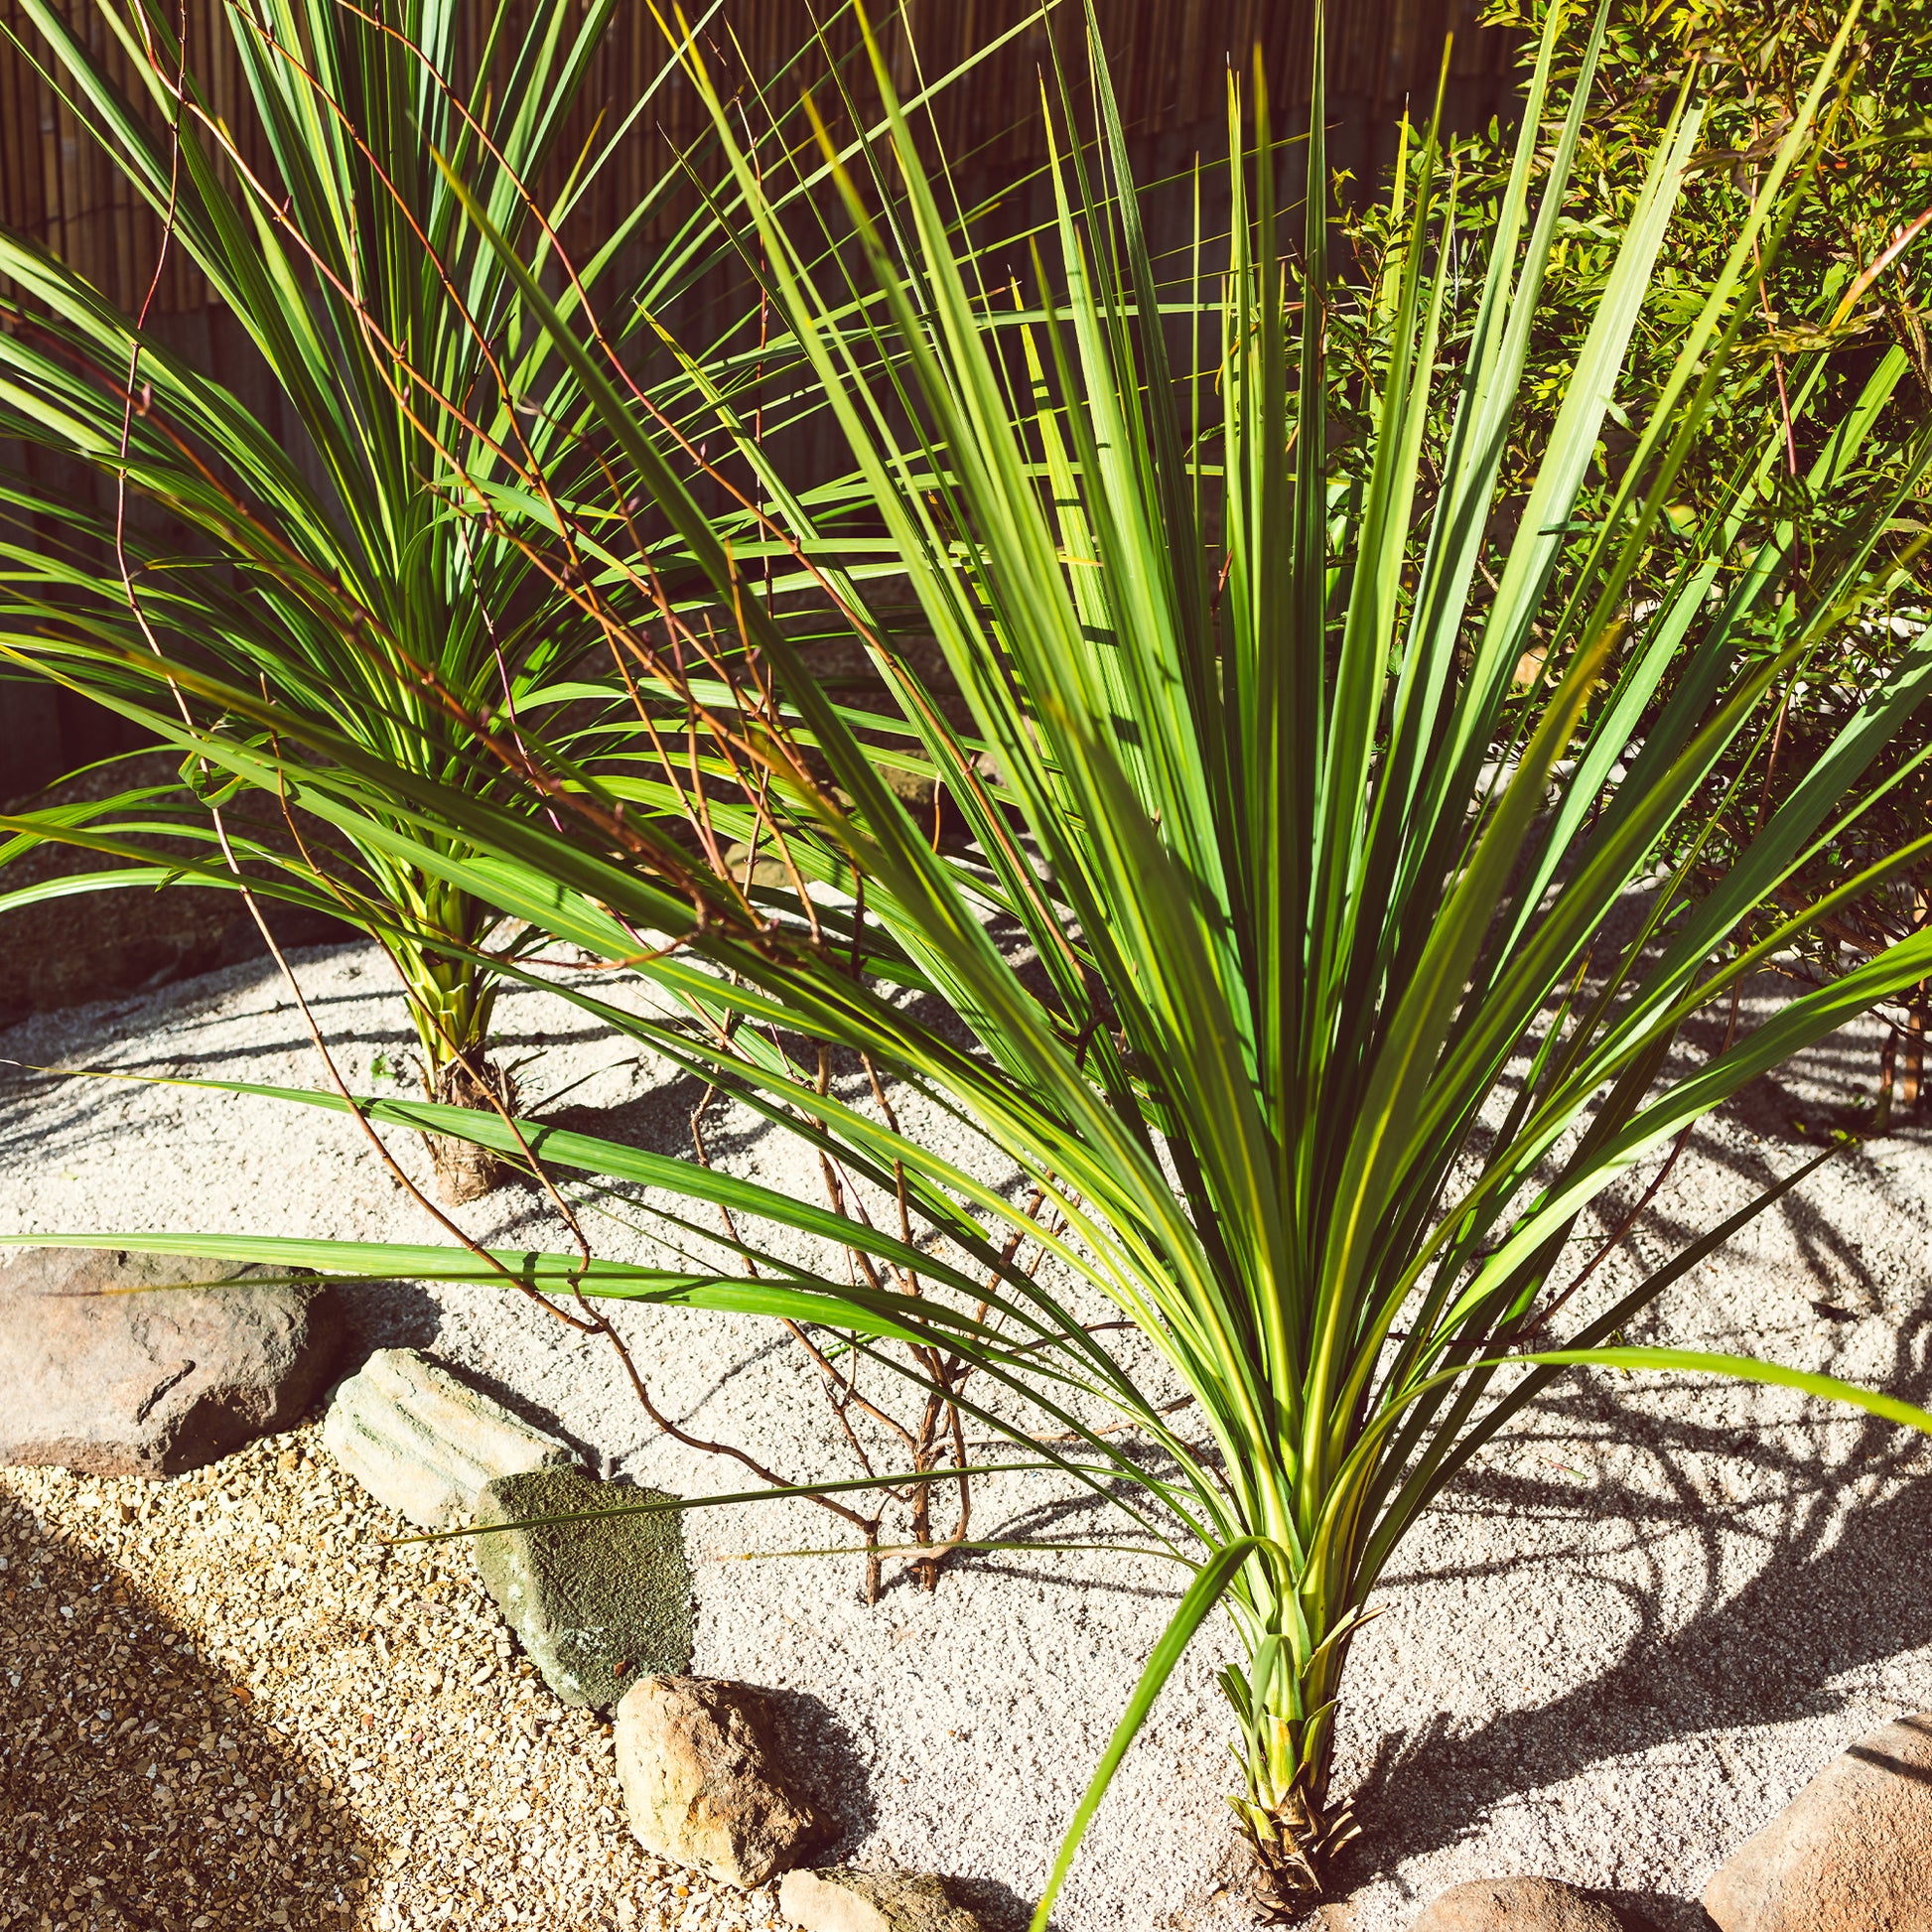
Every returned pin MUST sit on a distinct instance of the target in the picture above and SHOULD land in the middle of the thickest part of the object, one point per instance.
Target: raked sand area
(1644, 1617)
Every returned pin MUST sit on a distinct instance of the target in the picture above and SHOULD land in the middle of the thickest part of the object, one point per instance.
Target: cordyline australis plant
(1267, 944)
(324, 568)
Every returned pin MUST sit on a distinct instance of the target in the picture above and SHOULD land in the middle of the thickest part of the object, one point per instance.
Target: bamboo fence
(1170, 61)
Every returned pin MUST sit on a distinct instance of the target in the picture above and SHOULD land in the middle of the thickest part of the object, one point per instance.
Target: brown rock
(873, 1901)
(100, 1377)
(705, 1782)
(1517, 1905)
(1850, 1853)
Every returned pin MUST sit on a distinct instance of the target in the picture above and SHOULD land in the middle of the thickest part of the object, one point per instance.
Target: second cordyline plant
(303, 546)
(1266, 932)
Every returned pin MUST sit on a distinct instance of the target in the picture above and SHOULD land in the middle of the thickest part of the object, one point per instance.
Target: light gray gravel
(1644, 1617)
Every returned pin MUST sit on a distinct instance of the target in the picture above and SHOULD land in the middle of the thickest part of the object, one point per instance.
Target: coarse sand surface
(1641, 1618)
(240, 1710)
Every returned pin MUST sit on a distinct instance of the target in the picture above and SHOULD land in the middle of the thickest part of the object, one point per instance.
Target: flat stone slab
(424, 1442)
(1850, 1853)
(97, 1375)
(1517, 1905)
(837, 1900)
(705, 1780)
(597, 1604)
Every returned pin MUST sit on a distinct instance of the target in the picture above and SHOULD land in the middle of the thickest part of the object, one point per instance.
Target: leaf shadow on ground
(658, 1121)
(52, 1115)
(1845, 1583)
(136, 1789)
(839, 1783)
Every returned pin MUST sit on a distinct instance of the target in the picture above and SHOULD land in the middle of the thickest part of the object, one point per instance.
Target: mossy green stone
(597, 1604)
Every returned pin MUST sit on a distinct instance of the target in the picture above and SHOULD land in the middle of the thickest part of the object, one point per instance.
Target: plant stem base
(1294, 1852)
(462, 1170)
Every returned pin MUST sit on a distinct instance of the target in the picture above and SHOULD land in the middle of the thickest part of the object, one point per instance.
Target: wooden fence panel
(1169, 63)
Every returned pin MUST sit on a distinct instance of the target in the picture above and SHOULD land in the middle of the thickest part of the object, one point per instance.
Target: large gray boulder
(597, 1602)
(1517, 1905)
(1850, 1853)
(424, 1442)
(109, 1365)
(837, 1900)
(705, 1782)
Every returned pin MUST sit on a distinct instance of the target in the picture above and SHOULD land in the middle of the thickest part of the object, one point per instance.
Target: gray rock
(1517, 1905)
(705, 1781)
(597, 1604)
(95, 1376)
(768, 869)
(873, 1901)
(423, 1443)
(1850, 1853)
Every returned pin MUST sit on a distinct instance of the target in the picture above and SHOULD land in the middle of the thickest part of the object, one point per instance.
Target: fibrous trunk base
(1294, 1847)
(465, 1171)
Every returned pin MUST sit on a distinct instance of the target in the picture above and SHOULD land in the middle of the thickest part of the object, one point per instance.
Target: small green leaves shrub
(1843, 297)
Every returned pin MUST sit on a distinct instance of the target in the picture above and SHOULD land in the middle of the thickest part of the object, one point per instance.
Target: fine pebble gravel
(231, 1705)
(1646, 1615)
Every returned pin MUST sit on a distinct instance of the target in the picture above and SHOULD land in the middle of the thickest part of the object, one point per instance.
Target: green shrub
(1843, 298)
(310, 550)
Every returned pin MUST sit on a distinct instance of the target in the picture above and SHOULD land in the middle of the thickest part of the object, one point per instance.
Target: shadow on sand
(1844, 1584)
(137, 1793)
